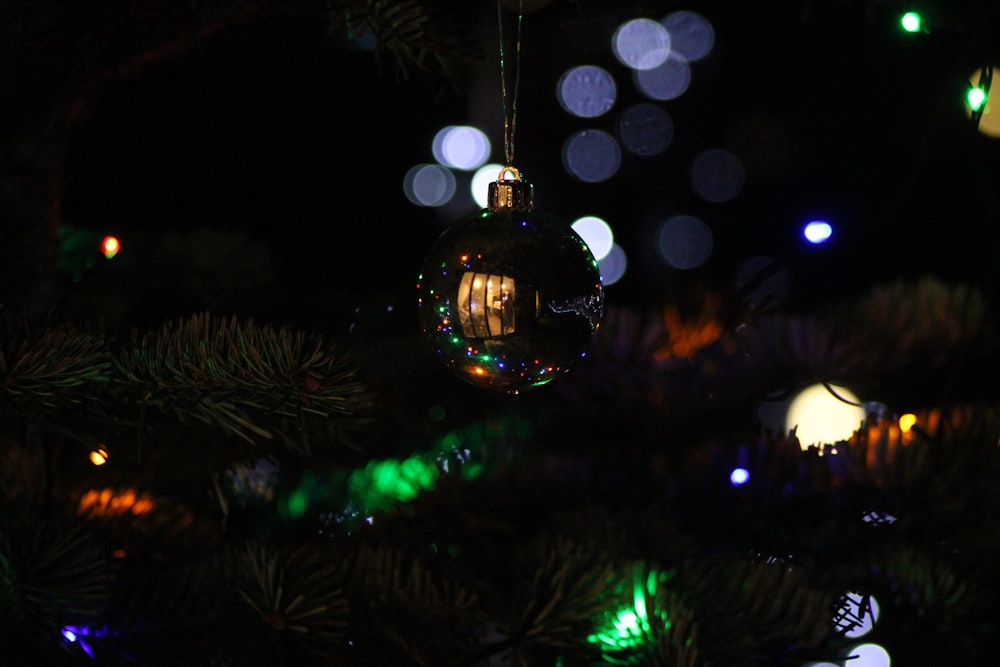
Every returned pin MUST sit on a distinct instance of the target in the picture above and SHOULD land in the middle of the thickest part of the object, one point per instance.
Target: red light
(110, 246)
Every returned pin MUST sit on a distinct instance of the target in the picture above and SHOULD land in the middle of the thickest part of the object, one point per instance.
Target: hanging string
(510, 112)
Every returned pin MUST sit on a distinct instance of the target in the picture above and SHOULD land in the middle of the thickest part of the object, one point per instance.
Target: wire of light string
(510, 109)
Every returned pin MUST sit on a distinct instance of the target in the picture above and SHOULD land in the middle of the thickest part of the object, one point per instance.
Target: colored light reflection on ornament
(110, 246)
(510, 296)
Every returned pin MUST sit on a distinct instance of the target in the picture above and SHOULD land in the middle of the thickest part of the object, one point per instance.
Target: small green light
(976, 98)
(634, 626)
(911, 22)
(298, 503)
(472, 470)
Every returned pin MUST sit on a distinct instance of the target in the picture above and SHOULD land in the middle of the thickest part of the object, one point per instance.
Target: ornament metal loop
(509, 194)
(508, 168)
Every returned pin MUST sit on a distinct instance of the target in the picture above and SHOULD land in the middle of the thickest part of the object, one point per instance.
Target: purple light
(75, 635)
(739, 476)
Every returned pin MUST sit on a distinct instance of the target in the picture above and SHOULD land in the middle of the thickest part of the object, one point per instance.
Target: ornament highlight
(510, 296)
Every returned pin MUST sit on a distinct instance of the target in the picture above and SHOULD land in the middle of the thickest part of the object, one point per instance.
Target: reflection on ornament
(486, 305)
(510, 297)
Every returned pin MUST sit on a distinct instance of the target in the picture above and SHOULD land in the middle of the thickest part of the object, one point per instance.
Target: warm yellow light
(99, 456)
(907, 421)
(484, 310)
(820, 418)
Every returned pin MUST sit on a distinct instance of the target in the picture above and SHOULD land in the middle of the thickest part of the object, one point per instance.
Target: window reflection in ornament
(486, 305)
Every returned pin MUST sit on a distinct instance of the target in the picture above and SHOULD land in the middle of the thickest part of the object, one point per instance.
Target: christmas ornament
(510, 296)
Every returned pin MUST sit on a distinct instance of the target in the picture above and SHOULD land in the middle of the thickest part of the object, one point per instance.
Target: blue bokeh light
(817, 231)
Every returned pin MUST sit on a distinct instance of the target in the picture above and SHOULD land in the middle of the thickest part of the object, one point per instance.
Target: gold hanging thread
(510, 112)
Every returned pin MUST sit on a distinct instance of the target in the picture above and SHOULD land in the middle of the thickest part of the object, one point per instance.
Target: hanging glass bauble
(510, 296)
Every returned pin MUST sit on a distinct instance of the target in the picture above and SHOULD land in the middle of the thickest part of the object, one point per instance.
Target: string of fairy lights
(380, 485)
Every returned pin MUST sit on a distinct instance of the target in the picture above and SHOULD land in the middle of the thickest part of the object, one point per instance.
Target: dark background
(276, 151)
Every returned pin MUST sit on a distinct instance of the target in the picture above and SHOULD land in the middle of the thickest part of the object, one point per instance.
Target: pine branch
(398, 602)
(246, 379)
(288, 600)
(49, 370)
(53, 575)
(417, 38)
(758, 612)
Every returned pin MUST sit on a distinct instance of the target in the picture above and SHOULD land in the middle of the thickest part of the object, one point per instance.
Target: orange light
(110, 246)
(110, 502)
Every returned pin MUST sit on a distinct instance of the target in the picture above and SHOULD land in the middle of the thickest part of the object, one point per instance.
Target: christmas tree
(226, 441)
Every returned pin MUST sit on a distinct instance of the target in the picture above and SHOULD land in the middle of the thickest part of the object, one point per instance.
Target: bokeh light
(461, 147)
(98, 456)
(586, 91)
(667, 81)
(596, 233)
(692, 36)
(429, 185)
(817, 231)
(480, 183)
(867, 655)
(645, 129)
(613, 265)
(907, 421)
(717, 175)
(911, 22)
(739, 476)
(641, 43)
(820, 418)
(592, 155)
(684, 241)
(110, 246)
(857, 614)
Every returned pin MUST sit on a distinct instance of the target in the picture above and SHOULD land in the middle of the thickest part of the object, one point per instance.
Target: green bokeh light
(381, 485)
(911, 22)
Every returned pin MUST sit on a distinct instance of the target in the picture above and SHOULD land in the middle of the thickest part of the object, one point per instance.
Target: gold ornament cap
(510, 194)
